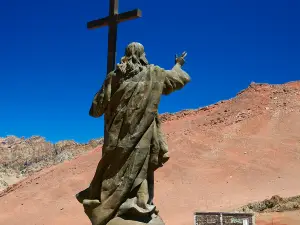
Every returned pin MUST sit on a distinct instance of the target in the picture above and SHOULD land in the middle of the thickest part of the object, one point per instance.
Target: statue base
(154, 220)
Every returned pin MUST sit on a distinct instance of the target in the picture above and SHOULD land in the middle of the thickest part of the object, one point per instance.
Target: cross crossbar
(112, 22)
(116, 18)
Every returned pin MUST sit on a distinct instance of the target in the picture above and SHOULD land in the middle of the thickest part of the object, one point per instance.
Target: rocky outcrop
(274, 204)
(20, 157)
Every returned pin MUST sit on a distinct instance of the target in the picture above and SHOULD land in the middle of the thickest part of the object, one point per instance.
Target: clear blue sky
(51, 65)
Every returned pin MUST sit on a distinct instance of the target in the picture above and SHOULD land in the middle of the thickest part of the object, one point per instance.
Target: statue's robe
(134, 146)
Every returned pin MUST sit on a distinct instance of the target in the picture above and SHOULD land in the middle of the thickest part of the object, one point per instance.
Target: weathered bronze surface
(122, 189)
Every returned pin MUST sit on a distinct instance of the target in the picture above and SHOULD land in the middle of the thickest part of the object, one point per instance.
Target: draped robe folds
(134, 146)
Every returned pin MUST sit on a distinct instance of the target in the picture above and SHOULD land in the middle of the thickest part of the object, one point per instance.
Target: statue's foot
(154, 220)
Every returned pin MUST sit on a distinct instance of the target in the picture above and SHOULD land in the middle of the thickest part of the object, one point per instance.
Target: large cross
(112, 22)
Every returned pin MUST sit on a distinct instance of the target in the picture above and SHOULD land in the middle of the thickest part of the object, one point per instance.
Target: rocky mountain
(223, 156)
(20, 157)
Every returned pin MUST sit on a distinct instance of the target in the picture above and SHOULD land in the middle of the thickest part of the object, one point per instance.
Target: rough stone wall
(236, 219)
(227, 219)
(208, 220)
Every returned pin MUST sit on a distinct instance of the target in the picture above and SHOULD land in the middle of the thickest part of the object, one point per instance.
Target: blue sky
(51, 65)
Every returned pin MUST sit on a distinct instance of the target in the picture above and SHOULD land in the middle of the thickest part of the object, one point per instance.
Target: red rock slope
(222, 156)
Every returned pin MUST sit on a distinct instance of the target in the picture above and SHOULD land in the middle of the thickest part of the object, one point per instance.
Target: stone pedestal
(154, 220)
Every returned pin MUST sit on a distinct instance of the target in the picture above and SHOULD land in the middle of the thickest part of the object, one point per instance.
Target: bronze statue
(134, 146)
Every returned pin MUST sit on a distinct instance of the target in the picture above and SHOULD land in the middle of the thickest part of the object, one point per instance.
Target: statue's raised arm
(176, 78)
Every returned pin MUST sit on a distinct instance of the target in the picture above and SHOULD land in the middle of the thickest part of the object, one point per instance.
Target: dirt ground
(223, 156)
(285, 218)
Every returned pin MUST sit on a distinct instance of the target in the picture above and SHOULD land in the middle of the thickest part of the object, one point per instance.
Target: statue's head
(134, 58)
(136, 50)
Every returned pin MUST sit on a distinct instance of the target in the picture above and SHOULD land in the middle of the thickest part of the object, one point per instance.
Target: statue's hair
(134, 58)
(134, 48)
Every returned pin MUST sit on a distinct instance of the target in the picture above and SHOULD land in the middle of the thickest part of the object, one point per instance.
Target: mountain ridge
(223, 156)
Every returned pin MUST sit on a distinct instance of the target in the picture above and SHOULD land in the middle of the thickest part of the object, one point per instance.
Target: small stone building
(223, 218)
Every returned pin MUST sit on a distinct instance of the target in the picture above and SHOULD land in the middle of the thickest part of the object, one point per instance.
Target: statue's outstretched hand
(180, 60)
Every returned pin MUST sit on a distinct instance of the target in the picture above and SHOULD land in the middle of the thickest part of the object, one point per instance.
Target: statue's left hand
(180, 60)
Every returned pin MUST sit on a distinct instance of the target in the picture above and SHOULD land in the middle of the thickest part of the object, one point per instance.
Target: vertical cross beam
(112, 22)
